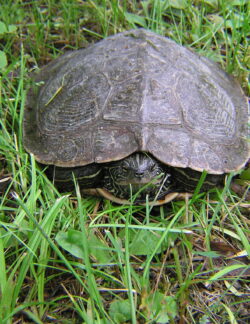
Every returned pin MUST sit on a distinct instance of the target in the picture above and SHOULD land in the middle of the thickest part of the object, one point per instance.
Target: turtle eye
(159, 171)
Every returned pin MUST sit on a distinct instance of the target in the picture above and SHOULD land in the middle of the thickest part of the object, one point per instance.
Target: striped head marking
(137, 172)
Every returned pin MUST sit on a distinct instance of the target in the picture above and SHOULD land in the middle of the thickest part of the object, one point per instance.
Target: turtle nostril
(139, 174)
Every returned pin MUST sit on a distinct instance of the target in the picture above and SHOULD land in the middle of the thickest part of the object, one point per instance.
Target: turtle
(136, 115)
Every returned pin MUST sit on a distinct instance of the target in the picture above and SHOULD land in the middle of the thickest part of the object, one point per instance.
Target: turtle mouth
(141, 189)
(139, 182)
(144, 185)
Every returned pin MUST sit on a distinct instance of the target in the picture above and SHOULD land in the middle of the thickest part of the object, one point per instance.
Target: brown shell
(137, 91)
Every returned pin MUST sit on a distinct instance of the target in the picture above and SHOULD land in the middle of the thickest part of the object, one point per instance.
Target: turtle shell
(137, 91)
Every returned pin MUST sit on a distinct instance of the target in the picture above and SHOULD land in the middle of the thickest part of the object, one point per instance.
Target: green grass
(73, 259)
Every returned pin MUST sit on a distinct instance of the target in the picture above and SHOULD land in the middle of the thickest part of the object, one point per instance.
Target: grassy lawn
(71, 259)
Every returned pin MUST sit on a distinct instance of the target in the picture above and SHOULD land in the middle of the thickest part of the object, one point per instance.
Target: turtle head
(138, 169)
(137, 172)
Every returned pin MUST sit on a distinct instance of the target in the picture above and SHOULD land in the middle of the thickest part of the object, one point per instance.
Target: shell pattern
(137, 91)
